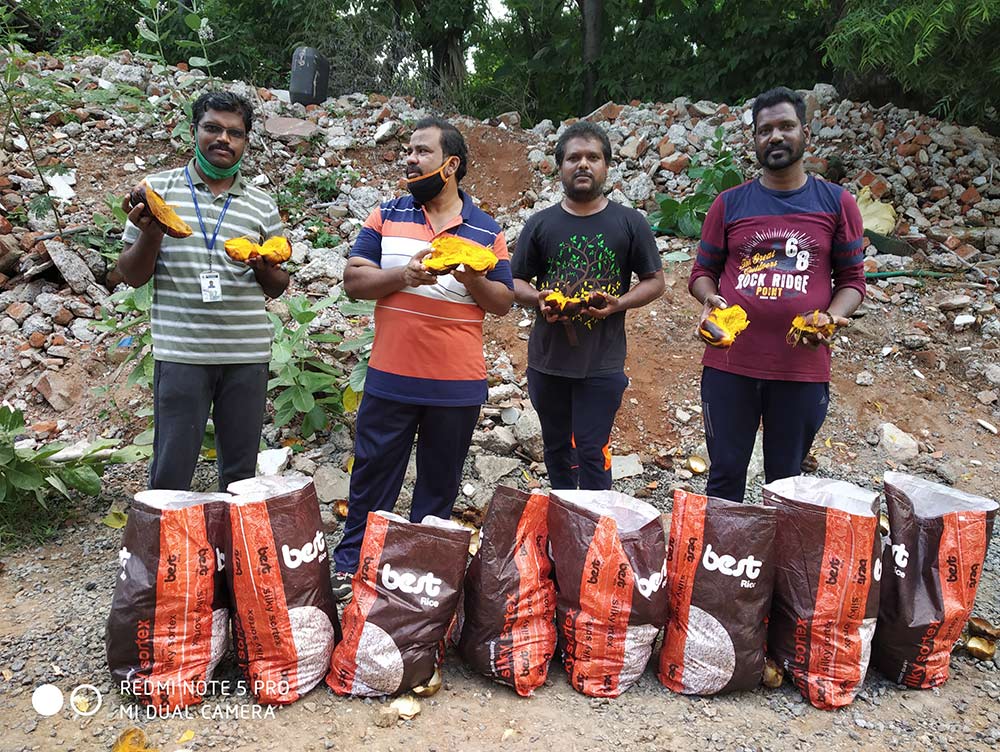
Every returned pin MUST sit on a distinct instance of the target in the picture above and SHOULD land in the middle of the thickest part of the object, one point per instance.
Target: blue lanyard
(197, 210)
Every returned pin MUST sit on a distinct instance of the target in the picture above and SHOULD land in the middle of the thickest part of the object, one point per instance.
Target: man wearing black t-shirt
(586, 248)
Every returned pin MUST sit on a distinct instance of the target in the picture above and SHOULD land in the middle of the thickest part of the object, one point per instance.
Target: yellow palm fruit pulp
(162, 212)
(448, 251)
(814, 322)
(558, 300)
(723, 325)
(276, 249)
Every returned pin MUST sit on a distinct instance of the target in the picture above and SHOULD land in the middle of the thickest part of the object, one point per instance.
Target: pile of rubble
(107, 121)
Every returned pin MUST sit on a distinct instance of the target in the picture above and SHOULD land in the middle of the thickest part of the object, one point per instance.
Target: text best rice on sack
(169, 620)
(509, 603)
(720, 574)
(284, 617)
(826, 584)
(930, 573)
(406, 593)
(610, 561)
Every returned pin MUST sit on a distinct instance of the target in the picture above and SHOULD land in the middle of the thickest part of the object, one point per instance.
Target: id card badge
(211, 287)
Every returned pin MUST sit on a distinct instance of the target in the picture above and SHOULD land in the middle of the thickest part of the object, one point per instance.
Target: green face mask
(210, 170)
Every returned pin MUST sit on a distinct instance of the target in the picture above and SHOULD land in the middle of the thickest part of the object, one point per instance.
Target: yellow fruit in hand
(449, 251)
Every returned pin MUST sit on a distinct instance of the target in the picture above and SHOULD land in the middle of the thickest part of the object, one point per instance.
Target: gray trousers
(183, 394)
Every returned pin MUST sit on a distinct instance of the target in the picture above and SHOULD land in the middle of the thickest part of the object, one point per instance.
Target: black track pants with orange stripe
(576, 417)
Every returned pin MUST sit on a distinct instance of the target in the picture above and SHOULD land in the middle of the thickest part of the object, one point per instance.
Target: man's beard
(582, 195)
(785, 156)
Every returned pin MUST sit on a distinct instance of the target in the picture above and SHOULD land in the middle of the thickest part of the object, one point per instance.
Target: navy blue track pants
(734, 406)
(577, 416)
(383, 439)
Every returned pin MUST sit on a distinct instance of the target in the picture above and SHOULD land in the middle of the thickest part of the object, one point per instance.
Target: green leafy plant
(130, 319)
(306, 385)
(153, 24)
(306, 186)
(197, 22)
(943, 53)
(34, 479)
(716, 173)
(360, 346)
(15, 101)
(322, 237)
(106, 235)
(291, 197)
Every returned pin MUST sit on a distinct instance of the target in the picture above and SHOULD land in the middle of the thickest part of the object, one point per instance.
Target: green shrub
(715, 174)
(35, 482)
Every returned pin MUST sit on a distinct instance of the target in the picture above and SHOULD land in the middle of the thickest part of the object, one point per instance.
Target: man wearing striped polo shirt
(211, 335)
(427, 376)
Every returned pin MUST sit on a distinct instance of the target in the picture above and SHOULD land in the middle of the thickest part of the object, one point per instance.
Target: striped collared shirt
(186, 329)
(428, 339)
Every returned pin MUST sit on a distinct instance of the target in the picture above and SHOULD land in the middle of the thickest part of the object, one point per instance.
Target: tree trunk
(448, 61)
(591, 11)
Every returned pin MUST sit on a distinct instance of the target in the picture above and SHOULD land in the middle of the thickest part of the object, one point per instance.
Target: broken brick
(970, 196)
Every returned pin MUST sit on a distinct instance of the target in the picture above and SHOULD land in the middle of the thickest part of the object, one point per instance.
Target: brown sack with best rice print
(720, 574)
(509, 603)
(610, 560)
(406, 593)
(284, 617)
(169, 620)
(930, 574)
(827, 566)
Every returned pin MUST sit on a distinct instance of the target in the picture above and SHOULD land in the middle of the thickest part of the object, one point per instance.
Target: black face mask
(427, 187)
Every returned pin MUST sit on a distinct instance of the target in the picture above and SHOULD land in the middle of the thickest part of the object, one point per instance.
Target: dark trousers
(734, 405)
(577, 416)
(183, 394)
(383, 439)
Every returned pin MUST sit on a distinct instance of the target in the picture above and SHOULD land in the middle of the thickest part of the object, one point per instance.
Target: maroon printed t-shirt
(779, 254)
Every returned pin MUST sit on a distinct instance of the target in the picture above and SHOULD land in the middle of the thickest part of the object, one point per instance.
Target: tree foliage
(942, 52)
(558, 58)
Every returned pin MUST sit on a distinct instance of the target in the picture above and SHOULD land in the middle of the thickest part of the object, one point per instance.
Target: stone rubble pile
(126, 116)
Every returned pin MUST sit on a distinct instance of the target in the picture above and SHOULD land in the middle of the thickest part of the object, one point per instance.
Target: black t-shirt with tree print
(580, 255)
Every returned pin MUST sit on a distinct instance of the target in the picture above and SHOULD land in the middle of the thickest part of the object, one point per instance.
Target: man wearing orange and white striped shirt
(426, 376)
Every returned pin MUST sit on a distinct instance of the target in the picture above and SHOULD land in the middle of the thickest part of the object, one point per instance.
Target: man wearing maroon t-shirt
(782, 245)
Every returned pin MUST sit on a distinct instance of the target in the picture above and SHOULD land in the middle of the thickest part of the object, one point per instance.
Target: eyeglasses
(235, 134)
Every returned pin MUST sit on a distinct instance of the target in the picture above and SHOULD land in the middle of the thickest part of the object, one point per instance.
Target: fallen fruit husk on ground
(814, 322)
(407, 707)
(474, 540)
(450, 252)
(773, 674)
(132, 740)
(162, 212)
(980, 627)
(431, 687)
(696, 464)
(723, 325)
(340, 509)
(981, 648)
(883, 523)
